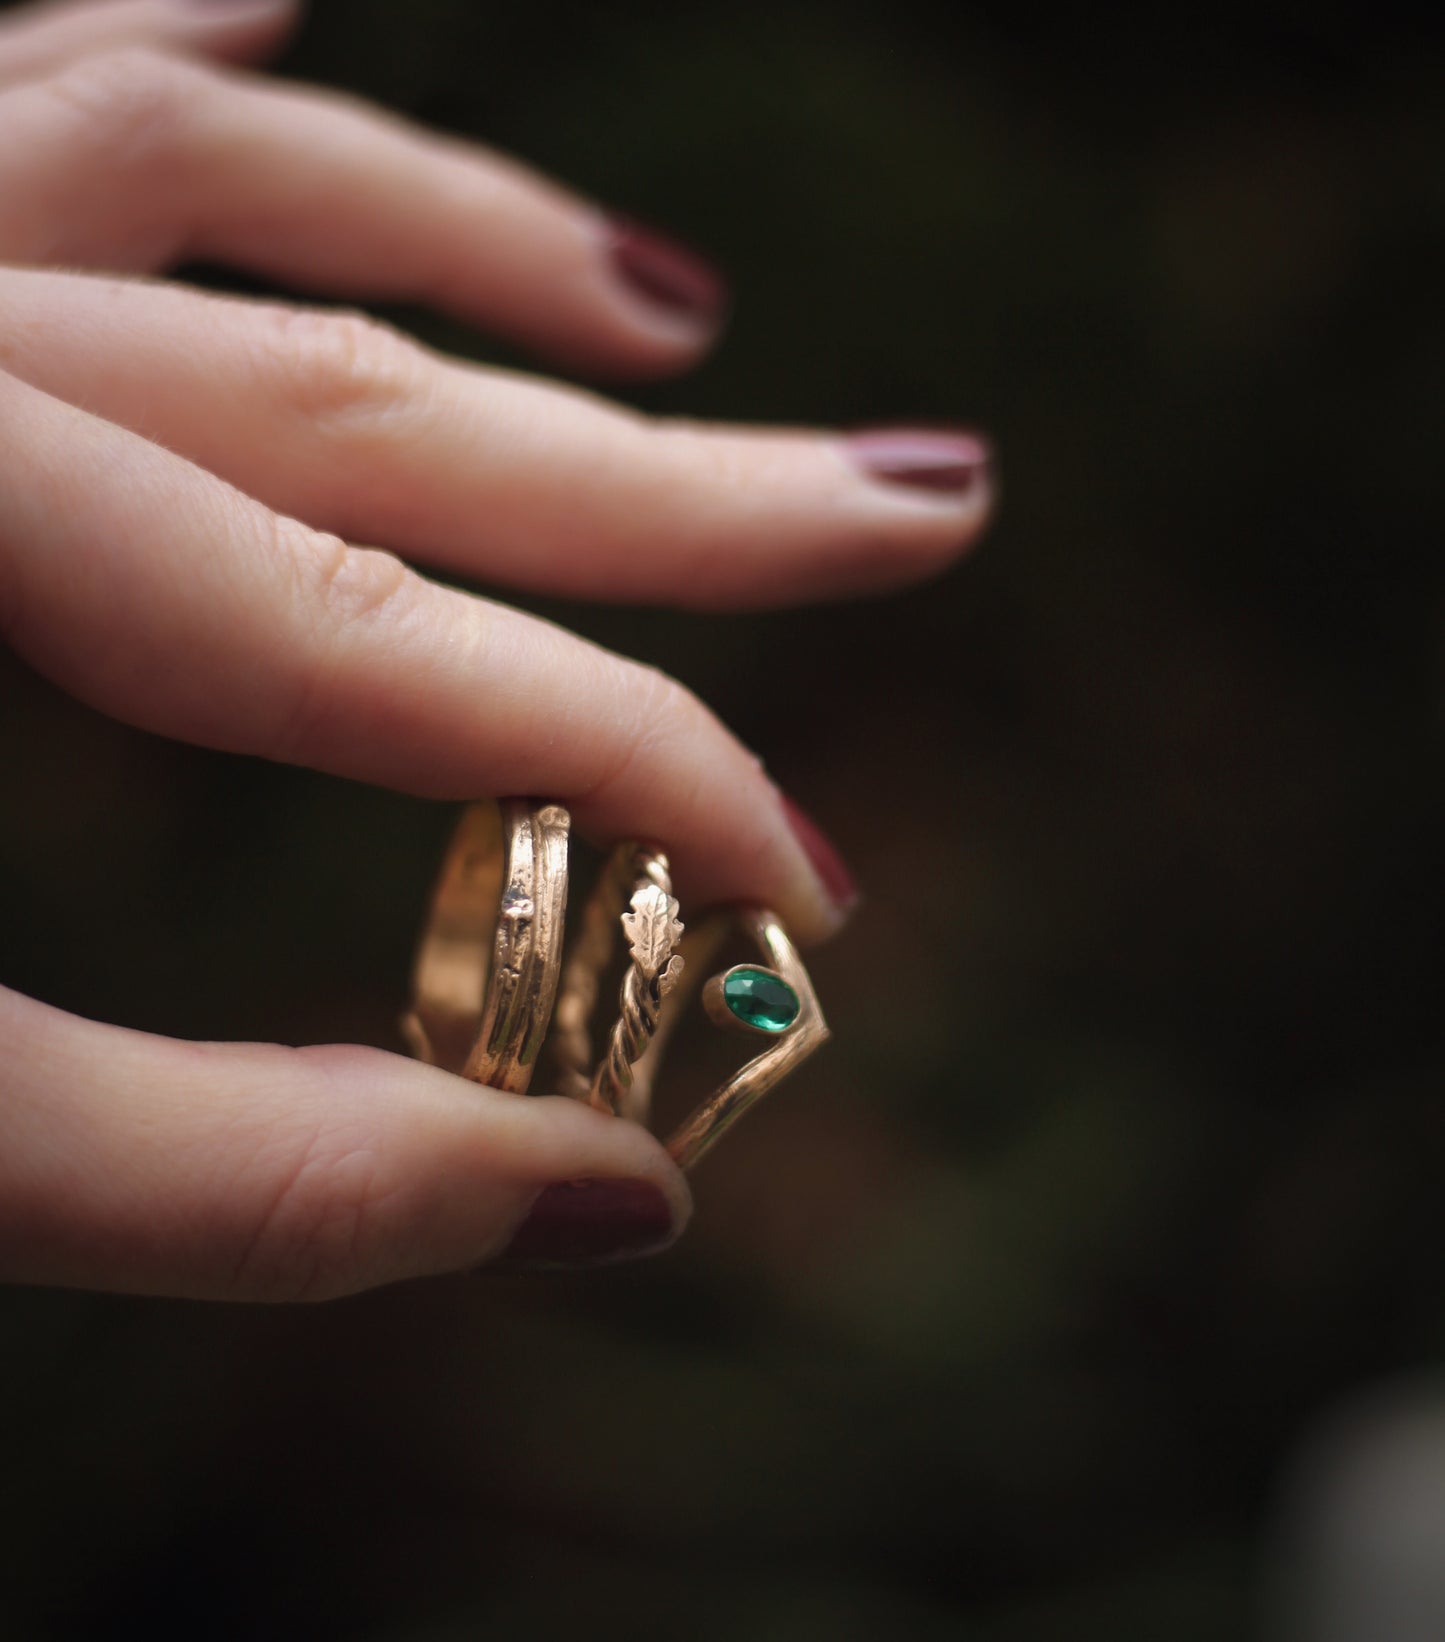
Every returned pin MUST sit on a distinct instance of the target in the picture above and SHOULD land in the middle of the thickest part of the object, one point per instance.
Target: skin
(183, 482)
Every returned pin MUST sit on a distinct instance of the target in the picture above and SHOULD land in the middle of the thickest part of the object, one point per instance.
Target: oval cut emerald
(761, 999)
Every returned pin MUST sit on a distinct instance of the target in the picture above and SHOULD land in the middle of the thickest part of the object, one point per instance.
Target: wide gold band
(486, 970)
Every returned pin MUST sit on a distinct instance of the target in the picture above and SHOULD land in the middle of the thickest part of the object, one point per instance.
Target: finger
(135, 160)
(153, 590)
(37, 40)
(254, 1172)
(346, 425)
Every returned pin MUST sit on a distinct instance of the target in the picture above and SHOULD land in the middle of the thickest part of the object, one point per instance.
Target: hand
(182, 478)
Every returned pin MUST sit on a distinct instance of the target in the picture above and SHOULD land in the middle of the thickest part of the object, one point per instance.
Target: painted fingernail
(240, 7)
(823, 854)
(590, 1222)
(948, 461)
(665, 273)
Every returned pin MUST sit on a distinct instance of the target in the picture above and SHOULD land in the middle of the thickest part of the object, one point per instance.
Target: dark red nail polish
(949, 461)
(587, 1222)
(666, 273)
(823, 853)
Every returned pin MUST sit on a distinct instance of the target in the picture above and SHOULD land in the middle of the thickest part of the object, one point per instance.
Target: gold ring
(486, 969)
(634, 893)
(772, 1001)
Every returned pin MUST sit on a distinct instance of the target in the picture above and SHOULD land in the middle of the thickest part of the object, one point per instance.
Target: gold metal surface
(790, 1049)
(487, 967)
(586, 963)
(652, 930)
(652, 1001)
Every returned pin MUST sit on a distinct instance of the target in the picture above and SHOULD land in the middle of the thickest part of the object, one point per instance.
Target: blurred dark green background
(1005, 1319)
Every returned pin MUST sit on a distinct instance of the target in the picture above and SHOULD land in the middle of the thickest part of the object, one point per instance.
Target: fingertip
(944, 475)
(768, 854)
(661, 306)
(575, 1223)
(930, 493)
(568, 1186)
(608, 1193)
(665, 276)
(821, 894)
(952, 463)
(237, 31)
(825, 858)
(390, 1170)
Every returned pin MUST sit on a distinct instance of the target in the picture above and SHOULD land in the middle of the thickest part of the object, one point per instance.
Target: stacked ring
(633, 895)
(486, 968)
(489, 971)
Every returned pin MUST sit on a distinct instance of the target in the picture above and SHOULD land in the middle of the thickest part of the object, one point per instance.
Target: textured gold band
(487, 967)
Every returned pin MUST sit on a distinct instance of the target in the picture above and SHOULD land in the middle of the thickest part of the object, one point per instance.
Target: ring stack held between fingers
(490, 964)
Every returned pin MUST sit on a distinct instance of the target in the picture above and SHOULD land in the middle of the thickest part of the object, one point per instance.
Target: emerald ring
(773, 1001)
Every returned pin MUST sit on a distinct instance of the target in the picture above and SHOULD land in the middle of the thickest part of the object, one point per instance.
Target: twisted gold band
(653, 930)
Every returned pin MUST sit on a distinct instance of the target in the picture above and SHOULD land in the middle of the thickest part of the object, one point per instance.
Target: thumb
(255, 1172)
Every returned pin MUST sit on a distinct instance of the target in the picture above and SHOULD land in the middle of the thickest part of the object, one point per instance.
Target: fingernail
(947, 461)
(823, 854)
(588, 1222)
(239, 5)
(664, 273)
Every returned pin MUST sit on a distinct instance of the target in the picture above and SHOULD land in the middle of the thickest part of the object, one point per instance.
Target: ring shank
(707, 1125)
(486, 969)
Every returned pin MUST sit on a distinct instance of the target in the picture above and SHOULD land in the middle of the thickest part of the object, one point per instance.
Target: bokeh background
(1035, 1306)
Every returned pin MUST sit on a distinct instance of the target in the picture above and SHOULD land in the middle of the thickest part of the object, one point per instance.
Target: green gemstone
(760, 999)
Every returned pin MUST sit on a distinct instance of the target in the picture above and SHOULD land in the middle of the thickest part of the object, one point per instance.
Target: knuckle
(674, 711)
(131, 104)
(661, 709)
(658, 717)
(337, 583)
(707, 459)
(335, 588)
(337, 365)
